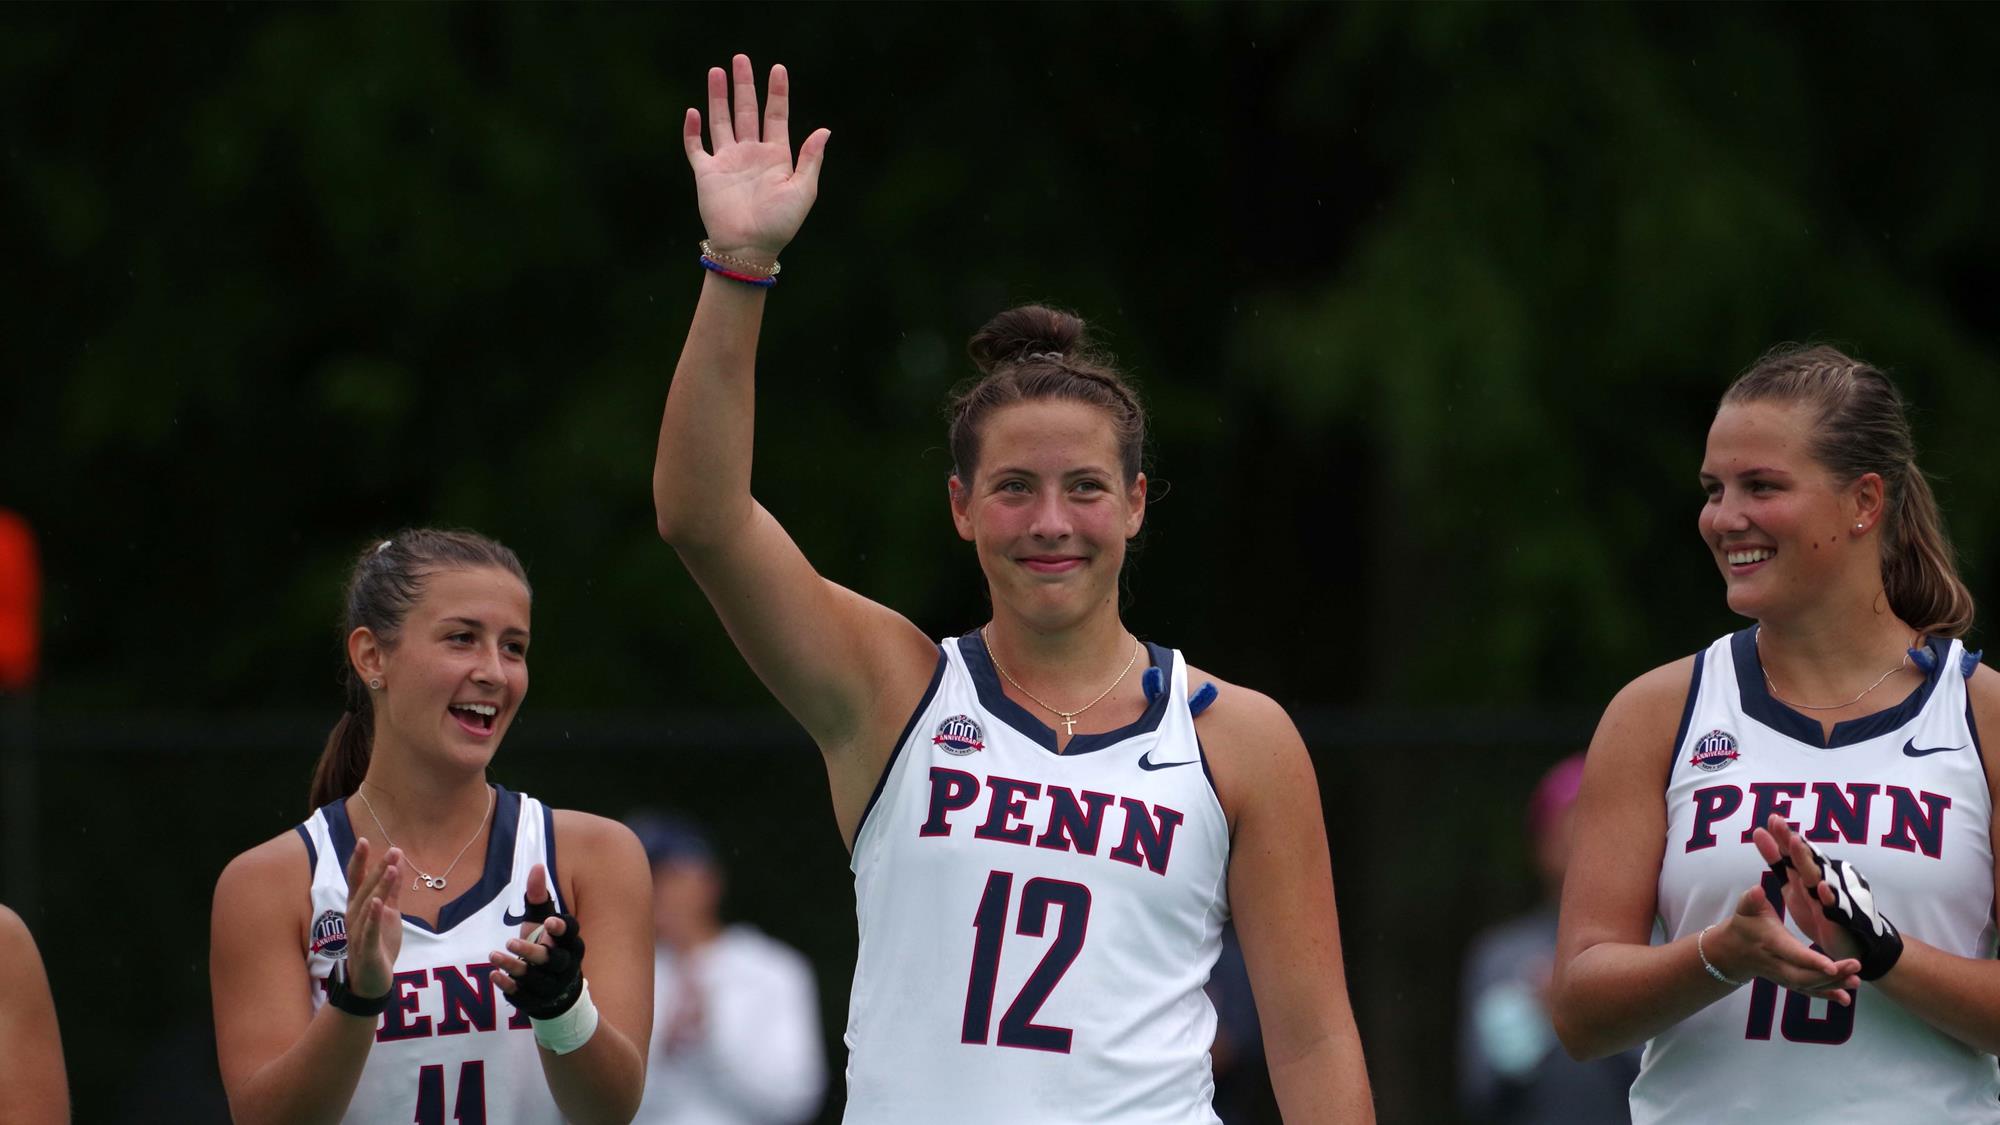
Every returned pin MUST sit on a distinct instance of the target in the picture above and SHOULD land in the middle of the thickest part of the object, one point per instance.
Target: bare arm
(1281, 893)
(1959, 996)
(281, 1061)
(611, 893)
(1612, 989)
(847, 668)
(31, 1059)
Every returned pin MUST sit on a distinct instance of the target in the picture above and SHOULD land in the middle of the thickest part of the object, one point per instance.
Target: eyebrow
(1086, 470)
(1757, 471)
(476, 623)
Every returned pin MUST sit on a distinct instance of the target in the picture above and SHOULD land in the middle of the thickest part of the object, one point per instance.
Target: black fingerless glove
(1854, 910)
(548, 990)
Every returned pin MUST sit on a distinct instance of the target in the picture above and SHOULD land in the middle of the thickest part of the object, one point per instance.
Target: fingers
(721, 133)
(1803, 862)
(502, 981)
(810, 155)
(778, 108)
(538, 884)
(1767, 845)
(370, 882)
(745, 84)
(357, 863)
(691, 137)
(392, 880)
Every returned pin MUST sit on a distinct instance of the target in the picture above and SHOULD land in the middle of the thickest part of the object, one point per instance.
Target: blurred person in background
(1512, 1071)
(1044, 850)
(736, 1034)
(1732, 798)
(356, 960)
(33, 1088)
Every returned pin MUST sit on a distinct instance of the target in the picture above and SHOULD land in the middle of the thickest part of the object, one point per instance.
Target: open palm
(752, 198)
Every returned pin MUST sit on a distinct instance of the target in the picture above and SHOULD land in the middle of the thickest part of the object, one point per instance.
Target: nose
(1730, 513)
(1051, 522)
(488, 673)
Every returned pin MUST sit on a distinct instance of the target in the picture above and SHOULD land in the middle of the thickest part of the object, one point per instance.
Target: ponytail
(1919, 570)
(344, 762)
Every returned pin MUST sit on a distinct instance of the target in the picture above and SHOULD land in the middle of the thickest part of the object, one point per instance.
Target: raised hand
(752, 199)
(374, 921)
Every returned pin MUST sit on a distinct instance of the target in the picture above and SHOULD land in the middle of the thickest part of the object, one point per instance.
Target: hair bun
(1017, 333)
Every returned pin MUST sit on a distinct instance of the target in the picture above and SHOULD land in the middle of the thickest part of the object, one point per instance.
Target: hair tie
(1045, 357)
(383, 546)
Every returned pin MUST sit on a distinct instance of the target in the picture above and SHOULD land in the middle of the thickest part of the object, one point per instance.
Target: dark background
(1431, 304)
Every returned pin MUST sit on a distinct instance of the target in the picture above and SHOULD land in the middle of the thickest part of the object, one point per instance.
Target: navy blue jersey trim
(1201, 752)
(1759, 704)
(498, 872)
(341, 831)
(1687, 715)
(972, 647)
(896, 748)
(312, 853)
(549, 854)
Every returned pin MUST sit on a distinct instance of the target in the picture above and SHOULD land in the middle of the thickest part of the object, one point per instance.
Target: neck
(1831, 655)
(1078, 660)
(695, 940)
(429, 815)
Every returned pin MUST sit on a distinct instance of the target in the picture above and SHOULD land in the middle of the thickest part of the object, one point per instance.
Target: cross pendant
(1069, 724)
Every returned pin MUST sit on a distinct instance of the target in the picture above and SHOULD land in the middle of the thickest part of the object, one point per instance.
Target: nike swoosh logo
(1912, 750)
(511, 918)
(1146, 762)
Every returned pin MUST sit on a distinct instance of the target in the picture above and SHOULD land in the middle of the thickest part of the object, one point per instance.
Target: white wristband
(572, 1029)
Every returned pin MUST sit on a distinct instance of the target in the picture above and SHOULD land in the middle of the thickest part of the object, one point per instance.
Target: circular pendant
(434, 882)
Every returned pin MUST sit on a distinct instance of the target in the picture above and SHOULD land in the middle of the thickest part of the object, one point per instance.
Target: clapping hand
(374, 922)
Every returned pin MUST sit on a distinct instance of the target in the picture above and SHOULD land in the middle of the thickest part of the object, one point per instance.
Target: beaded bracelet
(713, 266)
(740, 265)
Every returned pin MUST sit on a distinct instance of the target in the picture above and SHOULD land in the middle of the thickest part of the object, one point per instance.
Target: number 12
(989, 923)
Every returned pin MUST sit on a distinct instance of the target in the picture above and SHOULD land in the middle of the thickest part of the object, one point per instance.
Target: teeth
(486, 709)
(1757, 554)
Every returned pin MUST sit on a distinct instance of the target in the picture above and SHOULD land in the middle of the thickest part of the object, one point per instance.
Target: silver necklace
(425, 879)
(1068, 717)
(1772, 687)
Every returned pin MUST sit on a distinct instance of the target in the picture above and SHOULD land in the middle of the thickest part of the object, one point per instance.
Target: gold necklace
(1772, 687)
(424, 879)
(1068, 717)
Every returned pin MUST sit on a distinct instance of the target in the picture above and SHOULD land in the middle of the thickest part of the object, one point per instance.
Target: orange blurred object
(20, 604)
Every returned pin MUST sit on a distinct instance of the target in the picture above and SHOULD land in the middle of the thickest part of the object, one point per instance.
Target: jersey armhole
(1687, 715)
(896, 750)
(312, 853)
(556, 897)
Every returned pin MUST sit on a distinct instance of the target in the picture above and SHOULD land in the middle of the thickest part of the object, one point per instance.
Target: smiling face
(455, 673)
(1049, 510)
(1782, 529)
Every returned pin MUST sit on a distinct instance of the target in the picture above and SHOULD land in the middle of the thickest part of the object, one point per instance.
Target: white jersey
(1036, 927)
(450, 1048)
(1902, 794)
(736, 1035)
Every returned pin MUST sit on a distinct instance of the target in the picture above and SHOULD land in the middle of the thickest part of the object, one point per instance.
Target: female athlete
(1046, 840)
(355, 959)
(1836, 735)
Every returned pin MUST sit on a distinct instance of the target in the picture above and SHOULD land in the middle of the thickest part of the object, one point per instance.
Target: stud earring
(376, 685)
(1858, 526)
